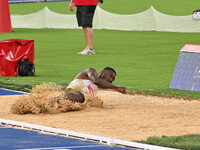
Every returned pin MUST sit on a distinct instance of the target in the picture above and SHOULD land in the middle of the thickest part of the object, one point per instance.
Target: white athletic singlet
(81, 85)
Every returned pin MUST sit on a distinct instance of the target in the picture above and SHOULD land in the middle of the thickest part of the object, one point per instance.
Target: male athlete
(89, 81)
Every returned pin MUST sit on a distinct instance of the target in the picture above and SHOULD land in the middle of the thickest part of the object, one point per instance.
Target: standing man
(84, 14)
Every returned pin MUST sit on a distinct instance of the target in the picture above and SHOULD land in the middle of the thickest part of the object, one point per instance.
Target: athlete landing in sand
(90, 81)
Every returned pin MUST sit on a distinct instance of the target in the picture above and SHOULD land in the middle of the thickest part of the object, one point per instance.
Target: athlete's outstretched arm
(93, 76)
(107, 85)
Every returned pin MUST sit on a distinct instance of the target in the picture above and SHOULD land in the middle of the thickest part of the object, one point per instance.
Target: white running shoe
(87, 51)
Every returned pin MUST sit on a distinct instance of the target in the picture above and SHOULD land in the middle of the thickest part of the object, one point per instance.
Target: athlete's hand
(121, 89)
(71, 5)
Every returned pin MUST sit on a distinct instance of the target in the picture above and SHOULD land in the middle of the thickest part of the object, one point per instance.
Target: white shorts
(83, 85)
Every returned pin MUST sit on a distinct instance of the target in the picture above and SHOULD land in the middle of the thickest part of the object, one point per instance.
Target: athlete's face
(107, 75)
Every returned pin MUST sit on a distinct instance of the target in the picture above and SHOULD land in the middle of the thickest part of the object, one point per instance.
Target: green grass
(144, 61)
(186, 142)
(27, 8)
(171, 7)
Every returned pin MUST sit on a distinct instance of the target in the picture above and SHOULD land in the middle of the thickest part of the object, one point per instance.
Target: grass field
(144, 61)
(186, 142)
(171, 7)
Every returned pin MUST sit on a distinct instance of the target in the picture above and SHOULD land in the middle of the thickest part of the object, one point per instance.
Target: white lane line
(63, 148)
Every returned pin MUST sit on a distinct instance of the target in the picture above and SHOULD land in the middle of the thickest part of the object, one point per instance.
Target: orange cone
(5, 22)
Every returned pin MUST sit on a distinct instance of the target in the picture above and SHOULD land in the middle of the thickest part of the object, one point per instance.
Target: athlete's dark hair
(108, 68)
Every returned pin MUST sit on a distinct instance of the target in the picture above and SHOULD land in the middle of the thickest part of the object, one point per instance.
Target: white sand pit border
(106, 140)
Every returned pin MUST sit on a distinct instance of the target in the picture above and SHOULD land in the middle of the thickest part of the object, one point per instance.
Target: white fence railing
(149, 20)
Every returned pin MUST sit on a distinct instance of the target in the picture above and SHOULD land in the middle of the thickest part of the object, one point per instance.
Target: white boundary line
(100, 139)
(13, 91)
(64, 148)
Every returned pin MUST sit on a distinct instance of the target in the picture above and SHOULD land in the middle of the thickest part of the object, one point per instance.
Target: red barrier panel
(13, 50)
(5, 22)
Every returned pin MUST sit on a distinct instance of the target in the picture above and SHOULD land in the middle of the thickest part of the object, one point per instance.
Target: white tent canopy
(149, 20)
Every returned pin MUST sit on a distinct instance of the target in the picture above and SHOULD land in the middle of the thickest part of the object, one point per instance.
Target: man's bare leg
(74, 96)
(88, 32)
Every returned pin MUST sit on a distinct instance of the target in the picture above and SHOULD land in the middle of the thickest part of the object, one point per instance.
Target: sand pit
(126, 117)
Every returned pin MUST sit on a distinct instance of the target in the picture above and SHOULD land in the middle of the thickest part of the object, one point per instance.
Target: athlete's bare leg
(74, 96)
